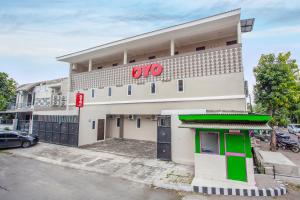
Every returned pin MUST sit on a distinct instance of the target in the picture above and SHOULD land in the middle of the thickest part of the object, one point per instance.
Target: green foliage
(276, 89)
(7, 90)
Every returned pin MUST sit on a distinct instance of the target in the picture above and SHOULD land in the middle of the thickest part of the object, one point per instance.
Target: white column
(239, 33)
(172, 48)
(72, 66)
(90, 65)
(125, 57)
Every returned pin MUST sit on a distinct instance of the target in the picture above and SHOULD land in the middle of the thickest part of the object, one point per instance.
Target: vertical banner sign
(79, 100)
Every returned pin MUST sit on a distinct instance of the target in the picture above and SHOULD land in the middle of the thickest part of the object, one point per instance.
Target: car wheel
(26, 144)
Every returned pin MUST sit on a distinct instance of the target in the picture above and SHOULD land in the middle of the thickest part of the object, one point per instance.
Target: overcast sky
(34, 32)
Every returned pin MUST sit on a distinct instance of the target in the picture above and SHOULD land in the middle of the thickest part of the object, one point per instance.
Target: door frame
(103, 120)
(235, 154)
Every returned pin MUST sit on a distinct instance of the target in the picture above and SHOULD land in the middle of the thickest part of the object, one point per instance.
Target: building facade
(43, 97)
(202, 69)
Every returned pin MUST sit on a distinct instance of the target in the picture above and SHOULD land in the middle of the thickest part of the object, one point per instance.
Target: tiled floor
(126, 147)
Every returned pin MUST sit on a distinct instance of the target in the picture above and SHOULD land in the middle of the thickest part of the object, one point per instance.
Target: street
(28, 179)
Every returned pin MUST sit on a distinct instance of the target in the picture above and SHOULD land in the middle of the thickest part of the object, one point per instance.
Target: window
(176, 52)
(151, 57)
(209, 142)
(231, 42)
(132, 61)
(115, 64)
(138, 122)
(99, 67)
(200, 48)
(93, 125)
(93, 93)
(129, 90)
(162, 122)
(153, 88)
(109, 91)
(180, 86)
(118, 122)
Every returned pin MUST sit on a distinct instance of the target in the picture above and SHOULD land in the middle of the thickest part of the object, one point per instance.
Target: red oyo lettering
(155, 69)
(136, 72)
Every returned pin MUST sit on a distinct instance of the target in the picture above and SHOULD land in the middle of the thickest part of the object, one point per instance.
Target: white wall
(183, 142)
(148, 130)
(210, 170)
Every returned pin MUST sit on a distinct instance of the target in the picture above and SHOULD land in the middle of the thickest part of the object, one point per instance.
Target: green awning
(225, 118)
(231, 126)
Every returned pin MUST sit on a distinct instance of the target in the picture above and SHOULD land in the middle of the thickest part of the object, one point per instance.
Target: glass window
(200, 48)
(138, 122)
(231, 42)
(93, 125)
(93, 93)
(180, 86)
(118, 122)
(209, 142)
(153, 88)
(129, 90)
(109, 91)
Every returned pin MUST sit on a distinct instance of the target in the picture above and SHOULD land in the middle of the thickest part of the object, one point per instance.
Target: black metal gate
(56, 129)
(164, 138)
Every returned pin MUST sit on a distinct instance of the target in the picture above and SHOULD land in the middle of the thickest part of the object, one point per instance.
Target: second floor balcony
(213, 61)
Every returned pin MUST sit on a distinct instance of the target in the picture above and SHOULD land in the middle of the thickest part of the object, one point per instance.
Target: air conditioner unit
(131, 117)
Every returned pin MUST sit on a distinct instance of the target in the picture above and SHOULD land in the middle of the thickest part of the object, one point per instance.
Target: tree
(7, 90)
(276, 88)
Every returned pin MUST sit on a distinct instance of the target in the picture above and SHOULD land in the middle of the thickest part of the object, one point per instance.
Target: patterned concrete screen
(210, 62)
(164, 138)
(58, 130)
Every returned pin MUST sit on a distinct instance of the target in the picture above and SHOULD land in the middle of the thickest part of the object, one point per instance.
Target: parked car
(294, 128)
(9, 139)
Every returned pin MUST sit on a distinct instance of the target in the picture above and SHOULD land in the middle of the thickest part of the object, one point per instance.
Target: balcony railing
(19, 106)
(209, 62)
(56, 102)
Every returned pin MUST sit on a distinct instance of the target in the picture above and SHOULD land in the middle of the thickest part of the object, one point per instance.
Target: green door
(236, 157)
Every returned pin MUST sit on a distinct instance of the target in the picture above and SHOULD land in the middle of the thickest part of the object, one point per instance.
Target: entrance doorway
(236, 157)
(100, 132)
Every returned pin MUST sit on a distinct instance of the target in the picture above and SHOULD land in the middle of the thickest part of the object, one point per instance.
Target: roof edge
(147, 34)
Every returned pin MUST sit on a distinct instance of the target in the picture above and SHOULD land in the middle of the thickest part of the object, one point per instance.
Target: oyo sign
(155, 69)
(79, 100)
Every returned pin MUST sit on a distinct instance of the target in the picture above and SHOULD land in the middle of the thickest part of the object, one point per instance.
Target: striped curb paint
(277, 191)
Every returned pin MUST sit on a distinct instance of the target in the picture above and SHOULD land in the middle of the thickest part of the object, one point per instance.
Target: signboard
(155, 69)
(79, 100)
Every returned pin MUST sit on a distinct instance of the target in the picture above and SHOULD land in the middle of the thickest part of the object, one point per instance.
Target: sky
(34, 32)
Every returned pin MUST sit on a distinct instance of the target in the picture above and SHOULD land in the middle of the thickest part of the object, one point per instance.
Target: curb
(265, 192)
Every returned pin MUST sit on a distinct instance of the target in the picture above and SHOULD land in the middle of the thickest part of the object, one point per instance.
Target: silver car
(294, 129)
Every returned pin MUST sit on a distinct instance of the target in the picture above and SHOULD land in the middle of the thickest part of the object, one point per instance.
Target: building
(170, 86)
(38, 98)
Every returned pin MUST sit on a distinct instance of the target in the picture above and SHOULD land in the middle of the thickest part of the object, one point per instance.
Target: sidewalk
(152, 172)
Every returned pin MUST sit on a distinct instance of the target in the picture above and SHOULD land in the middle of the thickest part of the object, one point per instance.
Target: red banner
(79, 100)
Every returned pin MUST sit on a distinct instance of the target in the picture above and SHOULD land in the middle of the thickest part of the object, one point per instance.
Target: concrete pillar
(239, 33)
(125, 57)
(172, 48)
(90, 65)
(69, 84)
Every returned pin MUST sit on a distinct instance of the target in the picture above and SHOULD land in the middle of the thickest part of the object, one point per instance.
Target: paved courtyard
(153, 172)
(125, 147)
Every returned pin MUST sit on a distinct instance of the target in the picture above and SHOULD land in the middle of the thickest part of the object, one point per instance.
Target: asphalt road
(27, 179)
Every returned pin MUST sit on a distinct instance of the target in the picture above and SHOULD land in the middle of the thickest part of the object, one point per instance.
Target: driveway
(27, 179)
(125, 147)
(154, 172)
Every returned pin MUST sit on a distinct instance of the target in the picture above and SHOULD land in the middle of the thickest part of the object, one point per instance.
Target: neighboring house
(36, 98)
